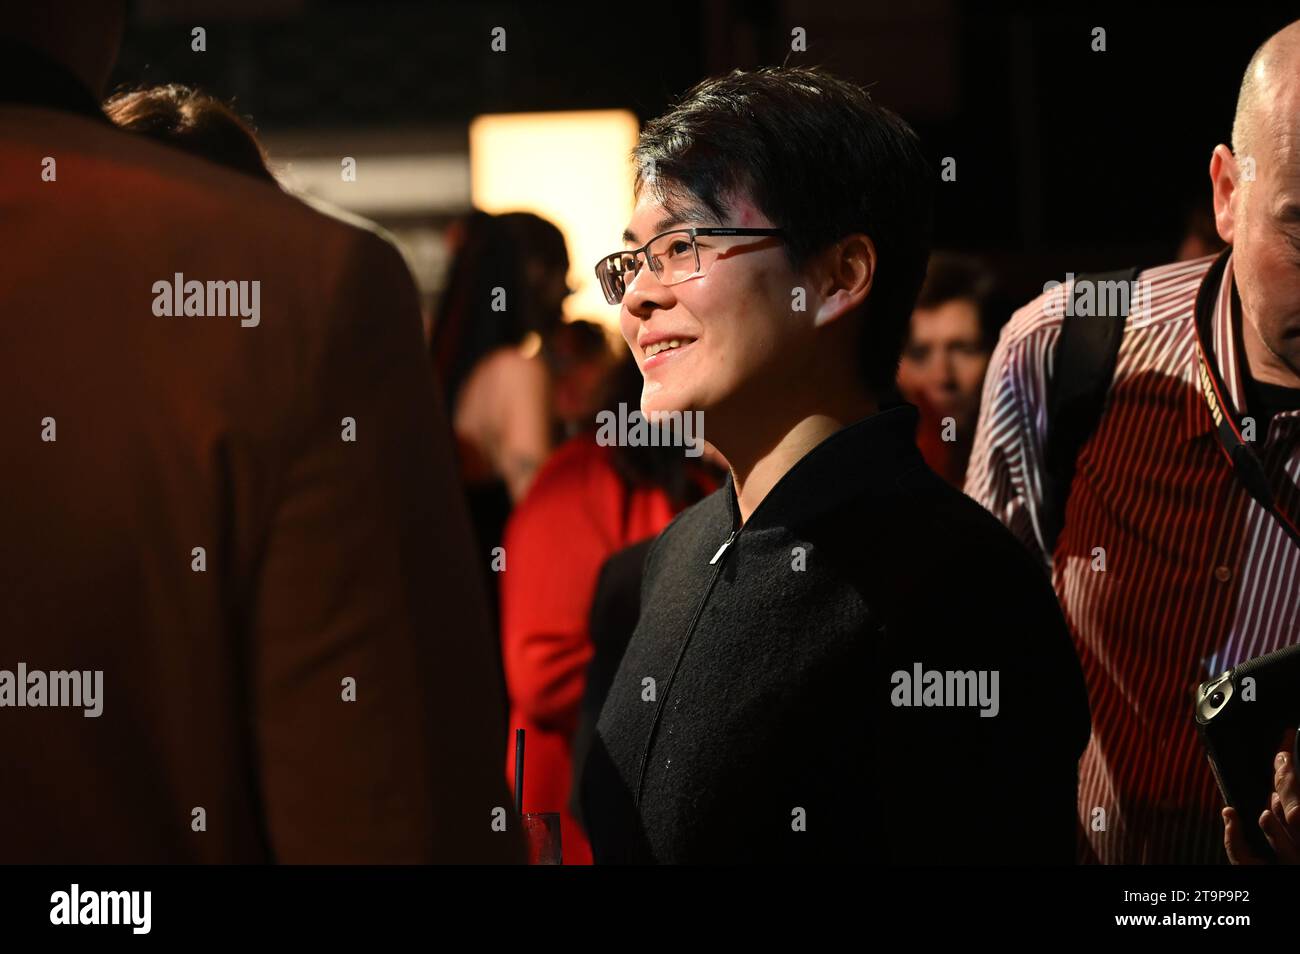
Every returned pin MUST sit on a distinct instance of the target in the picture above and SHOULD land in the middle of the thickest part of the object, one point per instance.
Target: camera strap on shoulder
(1246, 465)
(1084, 364)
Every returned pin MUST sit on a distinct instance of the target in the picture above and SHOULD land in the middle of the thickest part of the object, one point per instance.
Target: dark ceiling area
(1066, 157)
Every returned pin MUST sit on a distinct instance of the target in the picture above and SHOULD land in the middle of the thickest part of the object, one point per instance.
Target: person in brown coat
(239, 618)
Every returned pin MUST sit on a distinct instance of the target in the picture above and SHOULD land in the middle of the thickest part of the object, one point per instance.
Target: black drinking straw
(519, 771)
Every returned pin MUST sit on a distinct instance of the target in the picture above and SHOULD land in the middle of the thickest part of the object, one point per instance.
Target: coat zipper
(723, 549)
(717, 563)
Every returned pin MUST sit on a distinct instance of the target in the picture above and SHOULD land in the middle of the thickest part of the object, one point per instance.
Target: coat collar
(28, 77)
(857, 460)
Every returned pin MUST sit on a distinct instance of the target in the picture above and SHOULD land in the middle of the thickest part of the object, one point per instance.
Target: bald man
(1170, 565)
(231, 538)
(1257, 211)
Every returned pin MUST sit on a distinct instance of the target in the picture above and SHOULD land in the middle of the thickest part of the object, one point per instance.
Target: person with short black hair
(772, 704)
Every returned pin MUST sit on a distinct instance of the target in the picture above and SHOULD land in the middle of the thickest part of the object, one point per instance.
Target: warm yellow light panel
(569, 167)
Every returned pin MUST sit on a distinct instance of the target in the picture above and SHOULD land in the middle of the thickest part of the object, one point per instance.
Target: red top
(577, 513)
(946, 458)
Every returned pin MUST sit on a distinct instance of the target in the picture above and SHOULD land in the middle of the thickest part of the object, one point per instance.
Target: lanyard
(1246, 465)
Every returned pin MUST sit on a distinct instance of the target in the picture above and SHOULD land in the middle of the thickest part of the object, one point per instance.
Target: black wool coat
(756, 715)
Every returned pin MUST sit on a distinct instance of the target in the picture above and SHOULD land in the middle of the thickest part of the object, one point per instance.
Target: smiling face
(738, 340)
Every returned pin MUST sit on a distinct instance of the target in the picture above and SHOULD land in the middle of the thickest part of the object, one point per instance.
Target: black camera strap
(1085, 358)
(1246, 465)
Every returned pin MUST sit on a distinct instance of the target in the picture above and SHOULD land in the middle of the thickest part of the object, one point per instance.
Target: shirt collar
(1229, 356)
(856, 460)
(29, 77)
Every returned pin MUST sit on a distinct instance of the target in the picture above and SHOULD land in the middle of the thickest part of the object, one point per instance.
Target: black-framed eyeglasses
(674, 256)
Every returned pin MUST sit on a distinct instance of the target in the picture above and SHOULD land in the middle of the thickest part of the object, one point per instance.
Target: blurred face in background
(580, 361)
(738, 341)
(944, 361)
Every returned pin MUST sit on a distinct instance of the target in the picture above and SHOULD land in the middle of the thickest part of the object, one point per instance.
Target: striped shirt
(1167, 570)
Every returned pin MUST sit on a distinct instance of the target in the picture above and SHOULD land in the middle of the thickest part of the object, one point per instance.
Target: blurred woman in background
(953, 329)
(579, 357)
(503, 296)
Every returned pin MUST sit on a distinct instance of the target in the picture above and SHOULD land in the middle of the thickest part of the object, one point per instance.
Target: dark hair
(955, 277)
(821, 161)
(193, 121)
(495, 252)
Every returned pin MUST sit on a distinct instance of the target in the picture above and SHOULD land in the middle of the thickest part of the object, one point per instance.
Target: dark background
(1067, 159)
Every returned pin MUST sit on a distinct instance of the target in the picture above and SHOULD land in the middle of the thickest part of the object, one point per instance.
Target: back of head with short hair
(193, 121)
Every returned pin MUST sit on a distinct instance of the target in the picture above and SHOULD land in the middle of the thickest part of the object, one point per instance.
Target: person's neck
(759, 456)
(1265, 366)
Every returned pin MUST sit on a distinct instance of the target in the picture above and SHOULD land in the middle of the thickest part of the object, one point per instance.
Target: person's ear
(847, 271)
(1223, 177)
